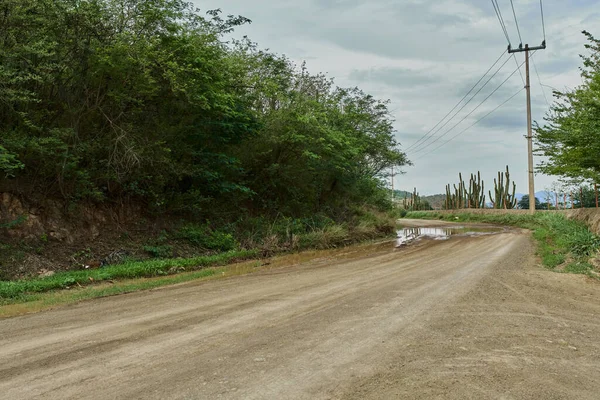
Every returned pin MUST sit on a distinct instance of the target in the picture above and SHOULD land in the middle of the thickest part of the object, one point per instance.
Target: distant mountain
(401, 194)
(436, 201)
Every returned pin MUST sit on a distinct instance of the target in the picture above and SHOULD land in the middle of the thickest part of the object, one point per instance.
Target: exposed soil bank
(41, 237)
(591, 216)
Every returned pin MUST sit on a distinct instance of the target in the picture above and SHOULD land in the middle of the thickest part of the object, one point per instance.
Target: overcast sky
(424, 56)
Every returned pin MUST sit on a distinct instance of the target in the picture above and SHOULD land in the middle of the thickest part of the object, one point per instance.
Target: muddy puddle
(409, 235)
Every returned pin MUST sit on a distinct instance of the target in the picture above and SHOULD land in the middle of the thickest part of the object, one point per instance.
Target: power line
(520, 73)
(423, 143)
(540, 81)
(500, 19)
(421, 148)
(475, 123)
(424, 137)
(472, 111)
(543, 24)
(516, 22)
(502, 22)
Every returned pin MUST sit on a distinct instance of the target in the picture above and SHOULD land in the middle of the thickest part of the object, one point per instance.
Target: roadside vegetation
(281, 237)
(564, 245)
(128, 270)
(155, 106)
(569, 136)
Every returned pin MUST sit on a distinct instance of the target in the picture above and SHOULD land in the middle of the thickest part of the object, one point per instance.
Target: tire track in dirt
(411, 322)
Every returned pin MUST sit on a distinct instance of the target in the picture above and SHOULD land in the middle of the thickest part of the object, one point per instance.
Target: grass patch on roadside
(564, 245)
(286, 237)
(22, 290)
(36, 302)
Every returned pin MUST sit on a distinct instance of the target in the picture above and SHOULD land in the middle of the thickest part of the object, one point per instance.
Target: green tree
(523, 204)
(570, 137)
(145, 101)
(105, 99)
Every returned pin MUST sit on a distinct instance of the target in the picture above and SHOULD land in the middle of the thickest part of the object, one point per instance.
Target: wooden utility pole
(393, 194)
(527, 49)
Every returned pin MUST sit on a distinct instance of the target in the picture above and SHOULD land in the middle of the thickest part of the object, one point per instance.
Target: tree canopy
(570, 137)
(113, 100)
(523, 204)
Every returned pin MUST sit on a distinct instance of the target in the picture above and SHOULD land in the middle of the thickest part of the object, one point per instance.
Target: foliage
(129, 270)
(118, 100)
(9, 163)
(286, 235)
(204, 237)
(584, 197)
(159, 251)
(570, 137)
(292, 234)
(14, 223)
(523, 204)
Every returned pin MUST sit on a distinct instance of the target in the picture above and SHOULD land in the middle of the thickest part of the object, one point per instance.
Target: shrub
(203, 236)
(159, 251)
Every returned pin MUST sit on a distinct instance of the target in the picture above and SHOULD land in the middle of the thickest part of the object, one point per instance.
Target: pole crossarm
(521, 49)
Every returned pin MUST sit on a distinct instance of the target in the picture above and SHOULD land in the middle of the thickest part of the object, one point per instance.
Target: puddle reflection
(408, 235)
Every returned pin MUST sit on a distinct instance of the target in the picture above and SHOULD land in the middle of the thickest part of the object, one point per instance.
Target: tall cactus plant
(414, 202)
(503, 198)
(463, 198)
(476, 196)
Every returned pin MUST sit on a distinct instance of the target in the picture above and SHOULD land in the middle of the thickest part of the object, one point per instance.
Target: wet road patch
(409, 235)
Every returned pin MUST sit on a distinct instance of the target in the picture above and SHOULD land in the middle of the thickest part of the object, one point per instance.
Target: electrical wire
(540, 81)
(424, 137)
(472, 111)
(520, 73)
(501, 20)
(516, 22)
(420, 146)
(424, 145)
(470, 126)
(543, 23)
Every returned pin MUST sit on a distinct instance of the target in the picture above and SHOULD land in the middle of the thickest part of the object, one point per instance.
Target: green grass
(128, 270)
(60, 297)
(127, 277)
(562, 242)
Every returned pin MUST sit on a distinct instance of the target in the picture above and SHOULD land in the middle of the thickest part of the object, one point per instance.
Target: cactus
(415, 203)
(474, 197)
(503, 199)
(449, 205)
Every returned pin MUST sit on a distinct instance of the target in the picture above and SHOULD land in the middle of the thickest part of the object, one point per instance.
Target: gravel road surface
(465, 318)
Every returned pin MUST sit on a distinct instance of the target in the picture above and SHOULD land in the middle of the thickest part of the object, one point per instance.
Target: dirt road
(466, 318)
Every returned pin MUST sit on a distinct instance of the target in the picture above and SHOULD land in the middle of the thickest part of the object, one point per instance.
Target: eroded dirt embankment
(591, 217)
(47, 235)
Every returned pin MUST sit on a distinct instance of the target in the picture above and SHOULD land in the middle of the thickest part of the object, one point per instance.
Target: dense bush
(116, 100)
(206, 238)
